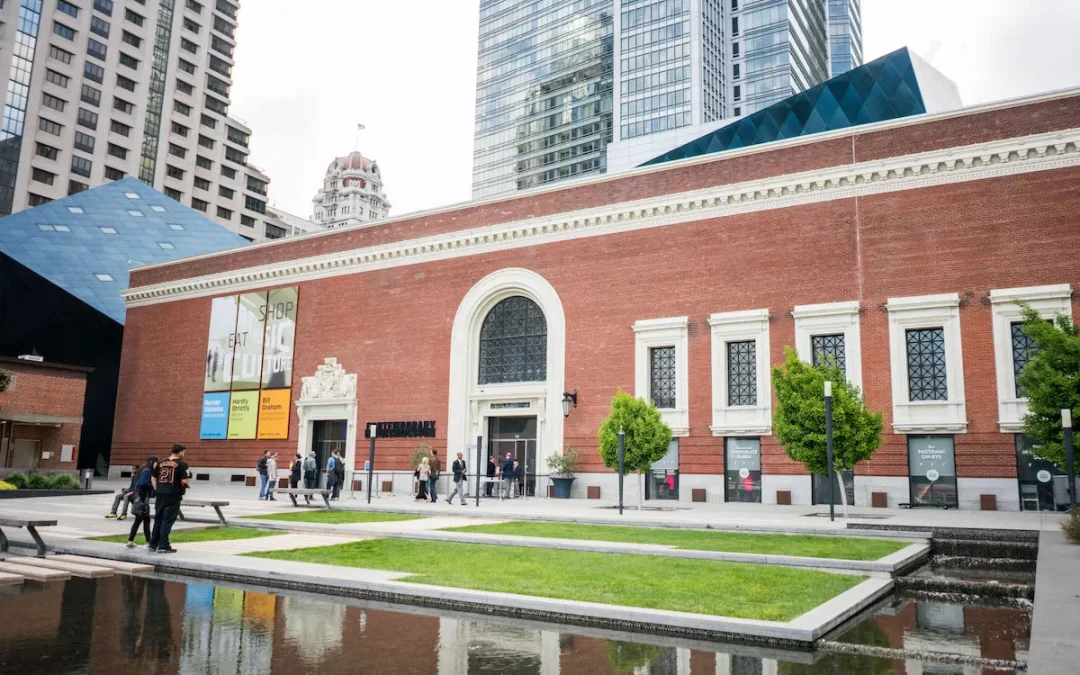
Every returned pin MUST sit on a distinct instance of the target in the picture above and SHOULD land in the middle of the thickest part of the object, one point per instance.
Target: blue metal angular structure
(883, 89)
(86, 243)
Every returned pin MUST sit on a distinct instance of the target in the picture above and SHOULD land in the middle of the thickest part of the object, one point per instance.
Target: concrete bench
(205, 503)
(305, 492)
(31, 527)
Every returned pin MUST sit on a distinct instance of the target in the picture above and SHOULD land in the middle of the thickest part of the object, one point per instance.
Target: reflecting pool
(149, 625)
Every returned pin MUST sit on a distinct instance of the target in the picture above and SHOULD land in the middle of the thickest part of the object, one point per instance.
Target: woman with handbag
(423, 473)
(144, 490)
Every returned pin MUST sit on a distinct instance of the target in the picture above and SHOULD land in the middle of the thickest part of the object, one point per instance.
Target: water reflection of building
(313, 626)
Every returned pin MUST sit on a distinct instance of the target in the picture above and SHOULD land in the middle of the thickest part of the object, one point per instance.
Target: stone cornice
(1040, 152)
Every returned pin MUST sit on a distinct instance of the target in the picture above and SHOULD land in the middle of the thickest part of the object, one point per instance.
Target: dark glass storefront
(1043, 487)
(663, 480)
(742, 470)
(932, 471)
(820, 488)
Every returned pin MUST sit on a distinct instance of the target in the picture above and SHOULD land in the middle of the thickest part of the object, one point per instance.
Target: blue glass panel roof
(103, 233)
(883, 89)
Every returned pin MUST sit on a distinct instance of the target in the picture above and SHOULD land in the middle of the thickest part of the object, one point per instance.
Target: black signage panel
(425, 429)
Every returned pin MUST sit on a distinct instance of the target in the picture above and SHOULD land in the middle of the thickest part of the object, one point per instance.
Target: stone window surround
(740, 326)
(832, 318)
(666, 332)
(1047, 301)
(927, 417)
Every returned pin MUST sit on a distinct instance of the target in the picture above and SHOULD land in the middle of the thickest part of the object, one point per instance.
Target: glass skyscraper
(543, 92)
(845, 35)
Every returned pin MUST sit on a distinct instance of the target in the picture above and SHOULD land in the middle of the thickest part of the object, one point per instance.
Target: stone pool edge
(800, 633)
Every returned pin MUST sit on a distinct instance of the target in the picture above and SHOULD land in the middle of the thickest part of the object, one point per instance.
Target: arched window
(513, 342)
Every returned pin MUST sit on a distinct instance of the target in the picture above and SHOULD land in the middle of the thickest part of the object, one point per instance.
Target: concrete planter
(562, 487)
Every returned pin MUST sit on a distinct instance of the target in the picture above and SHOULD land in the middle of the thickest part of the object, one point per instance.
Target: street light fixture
(828, 451)
(567, 399)
(1070, 465)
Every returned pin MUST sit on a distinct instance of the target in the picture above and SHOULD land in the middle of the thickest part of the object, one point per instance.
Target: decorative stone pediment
(329, 383)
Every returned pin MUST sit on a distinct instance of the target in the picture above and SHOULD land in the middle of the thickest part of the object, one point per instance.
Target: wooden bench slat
(5, 521)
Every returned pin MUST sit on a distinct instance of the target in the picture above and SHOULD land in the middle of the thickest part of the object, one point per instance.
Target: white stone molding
(729, 420)
(1007, 157)
(927, 311)
(1048, 301)
(470, 402)
(329, 394)
(671, 332)
(831, 319)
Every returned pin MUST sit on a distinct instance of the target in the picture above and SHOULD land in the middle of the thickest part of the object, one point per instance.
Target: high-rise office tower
(845, 35)
(102, 89)
(543, 92)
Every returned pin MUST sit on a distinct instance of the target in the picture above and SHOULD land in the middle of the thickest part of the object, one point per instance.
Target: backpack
(339, 470)
(261, 464)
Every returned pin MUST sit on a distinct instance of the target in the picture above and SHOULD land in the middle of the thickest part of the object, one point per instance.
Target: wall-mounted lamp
(567, 399)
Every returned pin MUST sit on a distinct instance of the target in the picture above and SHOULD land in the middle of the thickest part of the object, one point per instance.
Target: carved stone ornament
(329, 382)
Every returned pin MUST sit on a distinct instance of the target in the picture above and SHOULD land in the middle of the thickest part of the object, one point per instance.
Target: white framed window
(830, 333)
(741, 383)
(1011, 344)
(660, 363)
(927, 365)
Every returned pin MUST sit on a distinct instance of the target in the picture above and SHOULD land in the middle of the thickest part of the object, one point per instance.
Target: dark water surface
(137, 625)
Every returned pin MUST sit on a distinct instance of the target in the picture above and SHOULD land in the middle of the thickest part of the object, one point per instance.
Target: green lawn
(191, 536)
(701, 586)
(335, 517)
(811, 546)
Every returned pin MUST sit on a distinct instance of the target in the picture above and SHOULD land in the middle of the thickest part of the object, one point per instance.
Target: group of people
(427, 476)
(301, 468)
(510, 473)
(164, 481)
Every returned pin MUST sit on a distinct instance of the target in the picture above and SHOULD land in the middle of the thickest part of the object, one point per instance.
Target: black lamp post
(479, 458)
(1070, 466)
(828, 451)
(371, 461)
(567, 399)
(622, 465)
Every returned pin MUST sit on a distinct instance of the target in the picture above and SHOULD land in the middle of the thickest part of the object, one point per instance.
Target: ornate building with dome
(352, 193)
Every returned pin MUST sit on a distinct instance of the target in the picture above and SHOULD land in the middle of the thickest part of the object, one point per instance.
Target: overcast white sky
(308, 72)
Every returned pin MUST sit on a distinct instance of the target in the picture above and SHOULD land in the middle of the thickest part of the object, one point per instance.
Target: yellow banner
(274, 414)
(243, 414)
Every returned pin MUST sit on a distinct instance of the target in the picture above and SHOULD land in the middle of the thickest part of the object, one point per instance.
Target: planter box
(562, 488)
(24, 494)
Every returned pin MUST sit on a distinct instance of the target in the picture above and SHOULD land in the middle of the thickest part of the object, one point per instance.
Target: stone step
(34, 573)
(11, 579)
(119, 566)
(76, 569)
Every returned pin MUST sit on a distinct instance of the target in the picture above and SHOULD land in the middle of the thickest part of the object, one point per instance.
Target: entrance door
(327, 436)
(516, 435)
(27, 454)
(1043, 486)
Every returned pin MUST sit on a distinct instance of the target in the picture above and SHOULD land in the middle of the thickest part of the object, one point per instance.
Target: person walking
(461, 477)
(126, 495)
(436, 469)
(491, 471)
(332, 473)
(311, 473)
(423, 474)
(508, 476)
(339, 475)
(264, 478)
(272, 477)
(296, 471)
(518, 485)
(170, 482)
(144, 491)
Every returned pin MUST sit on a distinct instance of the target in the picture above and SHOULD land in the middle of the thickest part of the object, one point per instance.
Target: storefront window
(932, 471)
(742, 470)
(822, 483)
(663, 480)
(1043, 487)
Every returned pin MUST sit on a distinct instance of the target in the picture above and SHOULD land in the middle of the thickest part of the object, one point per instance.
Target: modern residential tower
(845, 35)
(102, 89)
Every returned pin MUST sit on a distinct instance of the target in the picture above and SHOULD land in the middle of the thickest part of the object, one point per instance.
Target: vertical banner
(219, 350)
(215, 416)
(243, 415)
(248, 341)
(280, 319)
(274, 414)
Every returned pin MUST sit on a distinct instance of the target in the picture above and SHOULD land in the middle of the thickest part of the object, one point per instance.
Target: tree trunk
(843, 492)
(640, 492)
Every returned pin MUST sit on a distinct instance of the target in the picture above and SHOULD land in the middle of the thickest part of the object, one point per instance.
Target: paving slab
(76, 569)
(117, 565)
(1054, 643)
(9, 579)
(33, 573)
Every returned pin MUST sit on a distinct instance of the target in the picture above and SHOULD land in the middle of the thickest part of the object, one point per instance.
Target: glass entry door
(663, 480)
(327, 436)
(517, 436)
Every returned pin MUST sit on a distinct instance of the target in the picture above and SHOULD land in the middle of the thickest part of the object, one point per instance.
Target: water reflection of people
(157, 623)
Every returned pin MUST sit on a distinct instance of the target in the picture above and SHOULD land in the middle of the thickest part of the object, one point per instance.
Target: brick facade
(392, 326)
(42, 389)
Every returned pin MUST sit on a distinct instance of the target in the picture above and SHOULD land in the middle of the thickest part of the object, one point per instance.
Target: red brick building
(41, 415)
(900, 247)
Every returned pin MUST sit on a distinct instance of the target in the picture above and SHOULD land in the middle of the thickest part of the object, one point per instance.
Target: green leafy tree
(647, 436)
(800, 418)
(628, 657)
(5, 380)
(1051, 382)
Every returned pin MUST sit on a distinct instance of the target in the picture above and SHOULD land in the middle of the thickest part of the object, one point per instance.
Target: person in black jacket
(508, 477)
(144, 492)
(461, 478)
(490, 474)
(294, 474)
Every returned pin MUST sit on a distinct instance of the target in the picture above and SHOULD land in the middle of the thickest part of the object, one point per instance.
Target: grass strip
(335, 517)
(810, 546)
(192, 536)
(701, 586)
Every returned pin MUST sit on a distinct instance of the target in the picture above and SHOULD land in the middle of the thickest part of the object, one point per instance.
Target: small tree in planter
(647, 436)
(800, 418)
(562, 470)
